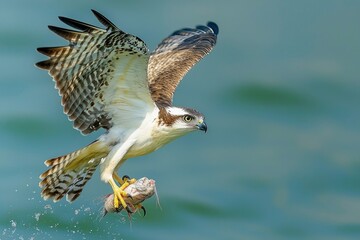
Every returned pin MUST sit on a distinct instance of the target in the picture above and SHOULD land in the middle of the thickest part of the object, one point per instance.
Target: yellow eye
(188, 118)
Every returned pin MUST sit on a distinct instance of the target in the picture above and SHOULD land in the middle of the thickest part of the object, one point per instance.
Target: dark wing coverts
(83, 69)
(175, 56)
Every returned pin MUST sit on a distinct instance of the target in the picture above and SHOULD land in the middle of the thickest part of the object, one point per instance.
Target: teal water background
(281, 94)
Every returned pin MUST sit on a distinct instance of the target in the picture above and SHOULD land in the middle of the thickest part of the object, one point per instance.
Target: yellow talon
(118, 194)
(118, 179)
(124, 179)
(131, 181)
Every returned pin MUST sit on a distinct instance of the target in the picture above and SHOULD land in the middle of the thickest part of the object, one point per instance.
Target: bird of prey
(108, 79)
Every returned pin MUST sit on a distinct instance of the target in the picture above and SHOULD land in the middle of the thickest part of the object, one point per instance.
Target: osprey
(108, 79)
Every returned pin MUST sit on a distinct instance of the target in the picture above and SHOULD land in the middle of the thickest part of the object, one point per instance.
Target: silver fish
(137, 192)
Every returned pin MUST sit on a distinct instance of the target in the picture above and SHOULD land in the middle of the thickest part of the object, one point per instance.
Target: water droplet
(13, 223)
(48, 206)
(37, 216)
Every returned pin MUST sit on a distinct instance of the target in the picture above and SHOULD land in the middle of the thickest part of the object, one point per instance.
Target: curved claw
(144, 210)
(129, 211)
(125, 178)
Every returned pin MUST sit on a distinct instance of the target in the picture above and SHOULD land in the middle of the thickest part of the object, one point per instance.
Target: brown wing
(175, 56)
(101, 75)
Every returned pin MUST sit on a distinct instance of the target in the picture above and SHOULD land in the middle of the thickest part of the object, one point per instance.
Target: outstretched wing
(101, 75)
(175, 56)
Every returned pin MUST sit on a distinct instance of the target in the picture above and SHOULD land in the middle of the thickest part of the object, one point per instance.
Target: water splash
(37, 216)
(13, 225)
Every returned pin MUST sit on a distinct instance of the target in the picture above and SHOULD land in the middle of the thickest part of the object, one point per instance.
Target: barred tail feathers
(68, 174)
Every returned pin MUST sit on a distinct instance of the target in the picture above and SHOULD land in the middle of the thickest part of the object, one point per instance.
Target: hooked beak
(202, 126)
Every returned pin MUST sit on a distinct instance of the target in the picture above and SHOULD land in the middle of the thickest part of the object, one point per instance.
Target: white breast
(129, 143)
(150, 136)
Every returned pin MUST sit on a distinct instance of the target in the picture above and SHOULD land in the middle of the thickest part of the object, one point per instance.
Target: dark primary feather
(82, 69)
(50, 51)
(104, 21)
(67, 34)
(78, 25)
(214, 27)
(175, 56)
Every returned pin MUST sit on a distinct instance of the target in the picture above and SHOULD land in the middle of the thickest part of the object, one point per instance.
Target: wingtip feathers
(43, 64)
(214, 27)
(103, 20)
(78, 24)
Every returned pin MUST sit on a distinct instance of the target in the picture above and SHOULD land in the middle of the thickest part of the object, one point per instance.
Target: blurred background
(281, 95)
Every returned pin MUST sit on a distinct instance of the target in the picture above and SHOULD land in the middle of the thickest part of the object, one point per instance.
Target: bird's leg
(124, 179)
(118, 178)
(119, 194)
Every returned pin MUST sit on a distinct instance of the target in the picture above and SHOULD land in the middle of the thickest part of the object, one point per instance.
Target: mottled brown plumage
(165, 117)
(83, 69)
(175, 56)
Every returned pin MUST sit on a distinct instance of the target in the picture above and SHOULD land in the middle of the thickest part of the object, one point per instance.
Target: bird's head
(182, 120)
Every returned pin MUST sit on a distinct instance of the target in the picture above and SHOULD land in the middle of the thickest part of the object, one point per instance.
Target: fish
(137, 192)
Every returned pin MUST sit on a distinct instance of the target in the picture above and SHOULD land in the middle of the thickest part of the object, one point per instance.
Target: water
(280, 93)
